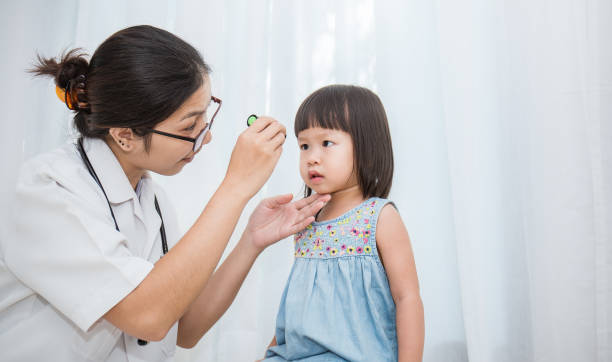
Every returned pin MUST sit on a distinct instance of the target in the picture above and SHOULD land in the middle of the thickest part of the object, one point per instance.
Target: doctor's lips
(190, 158)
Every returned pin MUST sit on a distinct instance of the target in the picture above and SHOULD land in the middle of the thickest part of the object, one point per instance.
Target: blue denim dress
(337, 305)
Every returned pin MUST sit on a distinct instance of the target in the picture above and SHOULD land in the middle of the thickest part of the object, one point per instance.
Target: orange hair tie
(63, 96)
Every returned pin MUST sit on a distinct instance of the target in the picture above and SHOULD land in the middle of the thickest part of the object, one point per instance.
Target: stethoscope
(93, 174)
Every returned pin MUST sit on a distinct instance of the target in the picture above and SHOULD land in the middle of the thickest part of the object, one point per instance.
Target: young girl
(353, 291)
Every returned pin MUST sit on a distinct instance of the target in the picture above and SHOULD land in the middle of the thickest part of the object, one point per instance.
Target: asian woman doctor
(83, 278)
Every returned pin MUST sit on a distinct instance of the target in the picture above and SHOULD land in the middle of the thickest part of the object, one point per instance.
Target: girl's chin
(318, 189)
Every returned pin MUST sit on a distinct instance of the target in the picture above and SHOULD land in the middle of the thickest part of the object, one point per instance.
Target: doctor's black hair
(136, 79)
(359, 112)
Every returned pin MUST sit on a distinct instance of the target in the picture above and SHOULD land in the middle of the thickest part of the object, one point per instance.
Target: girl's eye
(327, 143)
(304, 147)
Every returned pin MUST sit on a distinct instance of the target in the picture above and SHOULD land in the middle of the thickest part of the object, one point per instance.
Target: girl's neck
(341, 202)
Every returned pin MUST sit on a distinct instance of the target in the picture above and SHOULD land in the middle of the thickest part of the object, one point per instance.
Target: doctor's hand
(276, 218)
(255, 155)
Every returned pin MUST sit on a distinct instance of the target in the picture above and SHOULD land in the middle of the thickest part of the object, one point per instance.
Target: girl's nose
(312, 160)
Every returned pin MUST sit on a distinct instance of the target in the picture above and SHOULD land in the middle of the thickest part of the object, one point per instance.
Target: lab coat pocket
(98, 342)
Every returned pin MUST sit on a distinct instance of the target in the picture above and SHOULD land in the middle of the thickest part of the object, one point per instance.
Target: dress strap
(375, 205)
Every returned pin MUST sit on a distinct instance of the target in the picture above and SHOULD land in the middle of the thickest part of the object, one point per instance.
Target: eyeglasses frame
(202, 133)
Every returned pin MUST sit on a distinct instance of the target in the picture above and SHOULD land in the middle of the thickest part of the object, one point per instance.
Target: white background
(501, 119)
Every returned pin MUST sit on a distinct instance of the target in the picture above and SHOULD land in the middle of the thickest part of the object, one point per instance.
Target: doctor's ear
(123, 137)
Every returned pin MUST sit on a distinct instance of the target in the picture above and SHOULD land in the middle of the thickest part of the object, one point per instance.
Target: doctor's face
(168, 155)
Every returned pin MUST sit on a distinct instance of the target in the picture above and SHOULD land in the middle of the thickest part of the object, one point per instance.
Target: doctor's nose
(208, 137)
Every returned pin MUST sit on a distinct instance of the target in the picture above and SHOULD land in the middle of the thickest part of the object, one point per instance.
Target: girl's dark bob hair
(136, 79)
(359, 112)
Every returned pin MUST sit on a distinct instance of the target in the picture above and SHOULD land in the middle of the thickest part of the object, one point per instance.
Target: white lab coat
(64, 265)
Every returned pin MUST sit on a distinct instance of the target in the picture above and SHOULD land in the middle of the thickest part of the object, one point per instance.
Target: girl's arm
(273, 343)
(273, 220)
(395, 251)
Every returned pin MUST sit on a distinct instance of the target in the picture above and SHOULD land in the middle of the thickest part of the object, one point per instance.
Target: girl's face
(326, 159)
(167, 155)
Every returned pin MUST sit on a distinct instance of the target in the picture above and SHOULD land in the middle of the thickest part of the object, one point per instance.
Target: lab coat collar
(119, 190)
(148, 215)
(116, 184)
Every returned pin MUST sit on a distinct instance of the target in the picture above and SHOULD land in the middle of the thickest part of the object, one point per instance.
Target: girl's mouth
(315, 176)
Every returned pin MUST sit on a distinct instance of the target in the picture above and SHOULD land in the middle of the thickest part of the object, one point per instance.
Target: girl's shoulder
(391, 229)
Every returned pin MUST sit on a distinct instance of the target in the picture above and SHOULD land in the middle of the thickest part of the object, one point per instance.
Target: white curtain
(501, 118)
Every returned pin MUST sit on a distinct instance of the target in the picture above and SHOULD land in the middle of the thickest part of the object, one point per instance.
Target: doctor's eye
(190, 128)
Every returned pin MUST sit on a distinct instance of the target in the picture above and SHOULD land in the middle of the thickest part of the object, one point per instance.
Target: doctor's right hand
(255, 155)
(276, 218)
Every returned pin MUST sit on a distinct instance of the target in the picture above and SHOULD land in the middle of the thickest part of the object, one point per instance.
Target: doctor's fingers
(261, 123)
(272, 130)
(311, 209)
(277, 141)
(307, 201)
(301, 225)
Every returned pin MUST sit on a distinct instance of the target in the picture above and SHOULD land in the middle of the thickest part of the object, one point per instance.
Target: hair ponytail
(136, 79)
(70, 76)
(72, 64)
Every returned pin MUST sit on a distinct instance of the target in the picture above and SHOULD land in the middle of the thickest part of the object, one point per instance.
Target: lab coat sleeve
(66, 248)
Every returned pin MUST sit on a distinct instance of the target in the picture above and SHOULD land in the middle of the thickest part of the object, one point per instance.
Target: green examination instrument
(251, 119)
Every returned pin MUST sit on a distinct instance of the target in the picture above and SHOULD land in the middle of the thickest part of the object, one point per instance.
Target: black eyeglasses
(197, 142)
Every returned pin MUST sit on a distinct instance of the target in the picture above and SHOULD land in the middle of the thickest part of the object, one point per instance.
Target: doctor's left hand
(275, 218)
